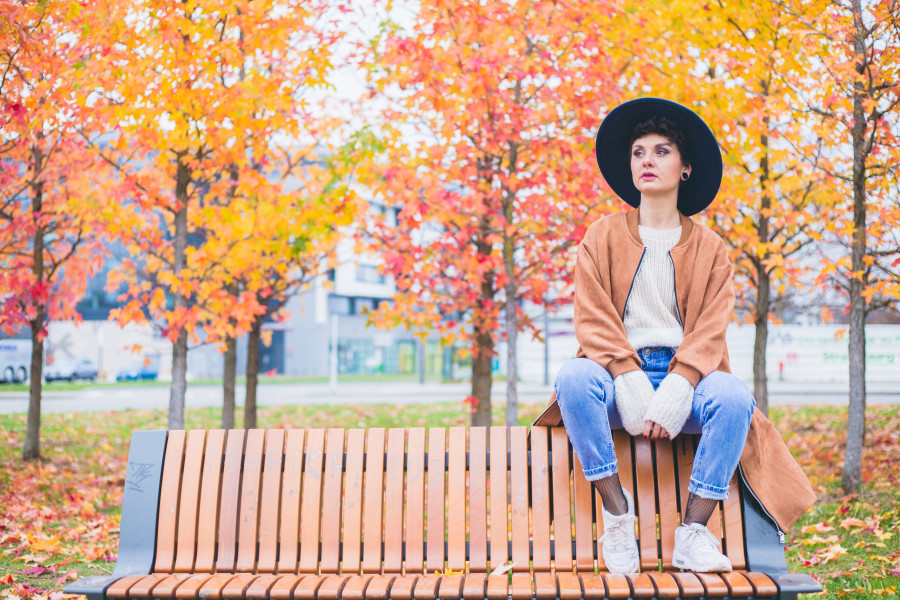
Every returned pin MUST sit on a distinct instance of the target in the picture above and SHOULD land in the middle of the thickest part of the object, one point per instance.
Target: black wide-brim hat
(614, 152)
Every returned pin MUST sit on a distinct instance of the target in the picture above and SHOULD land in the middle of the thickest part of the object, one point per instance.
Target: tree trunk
(31, 449)
(763, 288)
(252, 374)
(179, 350)
(482, 379)
(512, 371)
(229, 373)
(856, 420)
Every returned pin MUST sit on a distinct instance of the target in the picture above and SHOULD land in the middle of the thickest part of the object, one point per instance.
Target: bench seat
(414, 514)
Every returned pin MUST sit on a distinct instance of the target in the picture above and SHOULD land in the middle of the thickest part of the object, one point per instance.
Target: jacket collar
(631, 219)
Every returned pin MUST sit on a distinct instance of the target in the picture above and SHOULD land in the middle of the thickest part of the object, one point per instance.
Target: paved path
(112, 397)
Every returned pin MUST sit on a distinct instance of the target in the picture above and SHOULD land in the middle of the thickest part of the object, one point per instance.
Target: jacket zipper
(675, 289)
(625, 309)
(752, 493)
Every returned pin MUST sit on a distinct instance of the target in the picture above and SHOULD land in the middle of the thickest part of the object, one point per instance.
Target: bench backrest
(411, 500)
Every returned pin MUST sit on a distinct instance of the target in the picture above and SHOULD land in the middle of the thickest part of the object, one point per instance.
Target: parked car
(138, 372)
(70, 369)
(15, 360)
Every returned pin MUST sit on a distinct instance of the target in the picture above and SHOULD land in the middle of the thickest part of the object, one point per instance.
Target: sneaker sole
(684, 566)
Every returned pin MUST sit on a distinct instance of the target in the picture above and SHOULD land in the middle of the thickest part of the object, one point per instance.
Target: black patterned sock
(610, 489)
(698, 510)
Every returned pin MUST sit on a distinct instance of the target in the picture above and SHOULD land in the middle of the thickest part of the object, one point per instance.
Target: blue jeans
(720, 414)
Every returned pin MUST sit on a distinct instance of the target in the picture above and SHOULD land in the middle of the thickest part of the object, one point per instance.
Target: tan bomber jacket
(608, 260)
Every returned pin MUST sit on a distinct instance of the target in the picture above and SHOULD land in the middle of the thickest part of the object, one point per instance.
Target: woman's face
(656, 165)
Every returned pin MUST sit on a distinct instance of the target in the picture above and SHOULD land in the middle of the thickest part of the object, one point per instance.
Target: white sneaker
(620, 549)
(697, 549)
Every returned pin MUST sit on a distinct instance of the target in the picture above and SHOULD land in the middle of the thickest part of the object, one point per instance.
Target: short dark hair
(668, 129)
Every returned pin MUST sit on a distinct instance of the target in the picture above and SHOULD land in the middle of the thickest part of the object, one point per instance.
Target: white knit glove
(671, 403)
(633, 394)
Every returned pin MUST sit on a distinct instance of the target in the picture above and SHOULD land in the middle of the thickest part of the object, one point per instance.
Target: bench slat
(308, 587)
(168, 502)
(594, 586)
(289, 526)
(248, 515)
(434, 555)
(356, 439)
(393, 502)
(259, 589)
(237, 586)
(228, 501)
(120, 588)
(499, 499)
(584, 536)
(690, 585)
(544, 583)
(518, 474)
(189, 502)
(497, 588)
(646, 503)
(190, 588)
(143, 587)
(521, 586)
(426, 587)
(474, 584)
(738, 585)
(715, 586)
(378, 587)
(450, 587)
(762, 583)
(540, 499)
(283, 589)
(666, 585)
(667, 490)
(734, 529)
(355, 588)
(373, 499)
(569, 584)
(332, 585)
(332, 477)
(168, 586)
(415, 500)
(402, 588)
(618, 586)
(478, 534)
(642, 583)
(209, 502)
(311, 505)
(271, 494)
(562, 506)
(456, 500)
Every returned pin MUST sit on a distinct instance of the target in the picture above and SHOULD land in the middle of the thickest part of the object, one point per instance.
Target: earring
(685, 175)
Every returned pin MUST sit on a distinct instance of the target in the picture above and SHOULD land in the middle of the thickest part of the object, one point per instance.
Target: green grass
(63, 512)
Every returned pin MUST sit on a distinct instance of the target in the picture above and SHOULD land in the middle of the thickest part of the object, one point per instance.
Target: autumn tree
(856, 99)
(51, 189)
(487, 149)
(194, 90)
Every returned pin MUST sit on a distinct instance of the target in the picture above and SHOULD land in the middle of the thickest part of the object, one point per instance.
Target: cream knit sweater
(651, 319)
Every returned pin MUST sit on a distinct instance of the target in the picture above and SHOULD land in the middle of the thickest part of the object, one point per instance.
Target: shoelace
(618, 534)
(702, 539)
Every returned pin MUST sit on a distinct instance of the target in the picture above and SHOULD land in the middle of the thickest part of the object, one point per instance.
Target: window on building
(340, 305)
(368, 274)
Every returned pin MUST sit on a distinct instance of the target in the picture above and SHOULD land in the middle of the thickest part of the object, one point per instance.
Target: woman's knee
(726, 395)
(579, 375)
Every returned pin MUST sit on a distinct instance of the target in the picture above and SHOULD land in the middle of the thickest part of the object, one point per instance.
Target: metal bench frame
(158, 534)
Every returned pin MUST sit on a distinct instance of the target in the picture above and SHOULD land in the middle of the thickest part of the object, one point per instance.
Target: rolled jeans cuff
(601, 472)
(704, 490)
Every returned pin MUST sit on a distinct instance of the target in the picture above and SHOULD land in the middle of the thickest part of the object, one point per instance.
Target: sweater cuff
(688, 372)
(623, 365)
(671, 404)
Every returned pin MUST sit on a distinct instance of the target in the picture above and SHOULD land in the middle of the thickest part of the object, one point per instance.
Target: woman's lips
(648, 176)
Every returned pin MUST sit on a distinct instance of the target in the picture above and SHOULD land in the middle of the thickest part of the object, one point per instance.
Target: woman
(653, 298)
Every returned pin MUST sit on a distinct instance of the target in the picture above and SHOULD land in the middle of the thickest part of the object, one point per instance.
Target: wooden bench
(412, 514)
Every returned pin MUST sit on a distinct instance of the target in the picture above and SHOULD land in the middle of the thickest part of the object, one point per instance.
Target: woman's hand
(654, 430)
